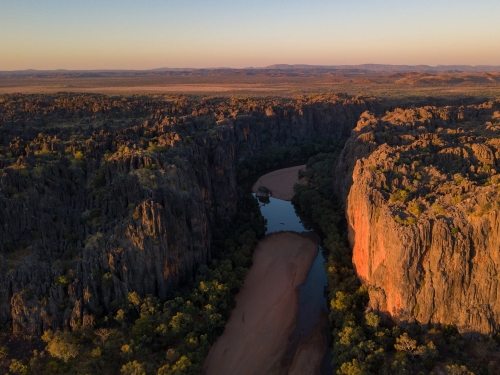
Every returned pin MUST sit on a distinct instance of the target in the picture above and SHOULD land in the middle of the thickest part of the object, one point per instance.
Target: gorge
(107, 201)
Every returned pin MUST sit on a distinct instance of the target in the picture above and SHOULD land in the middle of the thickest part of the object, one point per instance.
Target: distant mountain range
(304, 68)
(380, 68)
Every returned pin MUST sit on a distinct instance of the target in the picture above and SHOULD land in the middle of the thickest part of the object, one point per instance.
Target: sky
(145, 34)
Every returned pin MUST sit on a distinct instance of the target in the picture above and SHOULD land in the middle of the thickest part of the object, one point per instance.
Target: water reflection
(281, 216)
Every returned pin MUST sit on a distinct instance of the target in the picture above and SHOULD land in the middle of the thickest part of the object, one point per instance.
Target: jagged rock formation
(421, 188)
(101, 196)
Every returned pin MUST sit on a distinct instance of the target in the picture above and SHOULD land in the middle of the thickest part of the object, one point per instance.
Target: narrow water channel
(313, 311)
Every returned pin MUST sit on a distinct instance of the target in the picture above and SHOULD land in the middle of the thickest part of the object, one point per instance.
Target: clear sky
(139, 34)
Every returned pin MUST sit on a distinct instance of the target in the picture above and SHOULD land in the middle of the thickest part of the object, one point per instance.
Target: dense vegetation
(364, 341)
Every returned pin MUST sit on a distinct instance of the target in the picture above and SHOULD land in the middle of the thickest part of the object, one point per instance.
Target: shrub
(349, 335)
(415, 208)
(404, 219)
(457, 198)
(438, 209)
(399, 196)
(182, 364)
(484, 208)
(62, 280)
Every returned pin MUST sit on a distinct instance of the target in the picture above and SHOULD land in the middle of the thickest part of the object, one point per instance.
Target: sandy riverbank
(280, 182)
(256, 336)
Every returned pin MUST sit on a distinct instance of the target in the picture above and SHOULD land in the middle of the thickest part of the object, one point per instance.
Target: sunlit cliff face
(423, 215)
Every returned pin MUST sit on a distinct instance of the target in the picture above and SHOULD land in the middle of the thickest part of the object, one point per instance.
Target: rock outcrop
(421, 189)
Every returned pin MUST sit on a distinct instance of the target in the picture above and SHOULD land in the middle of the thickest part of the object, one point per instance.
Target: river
(279, 324)
(281, 216)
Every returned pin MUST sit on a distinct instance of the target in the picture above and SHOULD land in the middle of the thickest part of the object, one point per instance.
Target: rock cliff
(421, 188)
(101, 196)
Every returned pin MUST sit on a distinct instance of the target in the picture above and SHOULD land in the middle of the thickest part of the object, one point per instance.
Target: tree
(351, 368)
(4, 353)
(182, 364)
(164, 370)
(405, 343)
(132, 368)
(349, 335)
(372, 319)
(340, 302)
(454, 369)
(78, 155)
(180, 367)
(17, 367)
(134, 299)
(61, 345)
(103, 334)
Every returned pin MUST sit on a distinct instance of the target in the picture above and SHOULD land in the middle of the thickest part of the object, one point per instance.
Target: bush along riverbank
(147, 336)
(363, 341)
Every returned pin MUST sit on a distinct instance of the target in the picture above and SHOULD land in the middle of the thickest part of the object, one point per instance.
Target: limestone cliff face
(421, 190)
(89, 213)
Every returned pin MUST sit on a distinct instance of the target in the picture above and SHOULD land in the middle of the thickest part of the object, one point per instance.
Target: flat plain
(387, 81)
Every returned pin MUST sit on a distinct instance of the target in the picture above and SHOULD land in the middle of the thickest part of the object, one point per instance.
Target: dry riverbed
(256, 337)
